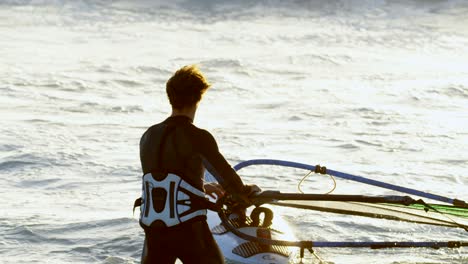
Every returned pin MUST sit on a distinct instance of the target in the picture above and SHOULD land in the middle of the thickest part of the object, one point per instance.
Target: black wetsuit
(177, 146)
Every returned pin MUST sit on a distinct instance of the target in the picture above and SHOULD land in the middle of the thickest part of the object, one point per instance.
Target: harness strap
(168, 200)
(138, 202)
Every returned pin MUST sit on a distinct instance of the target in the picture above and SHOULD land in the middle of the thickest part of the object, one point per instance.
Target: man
(174, 155)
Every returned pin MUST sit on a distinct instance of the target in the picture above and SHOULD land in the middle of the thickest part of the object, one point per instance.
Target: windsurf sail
(447, 216)
(356, 178)
(309, 245)
(400, 208)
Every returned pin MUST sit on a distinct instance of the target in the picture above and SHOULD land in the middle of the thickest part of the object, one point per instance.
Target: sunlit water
(375, 88)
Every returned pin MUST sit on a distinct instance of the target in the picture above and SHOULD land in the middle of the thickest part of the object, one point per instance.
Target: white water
(376, 88)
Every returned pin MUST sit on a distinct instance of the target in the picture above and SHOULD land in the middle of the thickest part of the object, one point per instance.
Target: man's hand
(248, 192)
(252, 189)
(214, 190)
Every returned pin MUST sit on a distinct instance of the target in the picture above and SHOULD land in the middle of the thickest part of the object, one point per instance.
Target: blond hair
(186, 87)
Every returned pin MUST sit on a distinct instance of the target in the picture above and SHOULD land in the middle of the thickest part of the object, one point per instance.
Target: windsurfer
(174, 155)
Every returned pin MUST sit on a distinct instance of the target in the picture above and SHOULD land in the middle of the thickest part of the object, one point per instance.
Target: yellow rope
(334, 184)
(303, 179)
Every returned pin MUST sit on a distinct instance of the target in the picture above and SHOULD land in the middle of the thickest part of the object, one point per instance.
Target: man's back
(173, 146)
(177, 146)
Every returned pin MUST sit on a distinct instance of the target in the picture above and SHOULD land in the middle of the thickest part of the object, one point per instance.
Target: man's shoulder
(194, 131)
(154, 127)
(151, 130)
(202, 132)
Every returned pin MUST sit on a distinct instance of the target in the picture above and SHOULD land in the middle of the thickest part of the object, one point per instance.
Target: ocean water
(373, 87)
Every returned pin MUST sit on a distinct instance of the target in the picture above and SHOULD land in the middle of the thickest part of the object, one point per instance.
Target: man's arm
(217, 165)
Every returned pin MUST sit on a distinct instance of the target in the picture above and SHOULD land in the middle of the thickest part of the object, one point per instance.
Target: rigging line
(334, 184)
(428, 206)
(321, 261)
(300, 182)
(307, 175)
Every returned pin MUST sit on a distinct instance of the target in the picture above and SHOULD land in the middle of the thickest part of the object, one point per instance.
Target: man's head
(186, 87)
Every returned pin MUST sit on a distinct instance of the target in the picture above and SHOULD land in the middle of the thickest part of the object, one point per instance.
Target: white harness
(168, 201)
